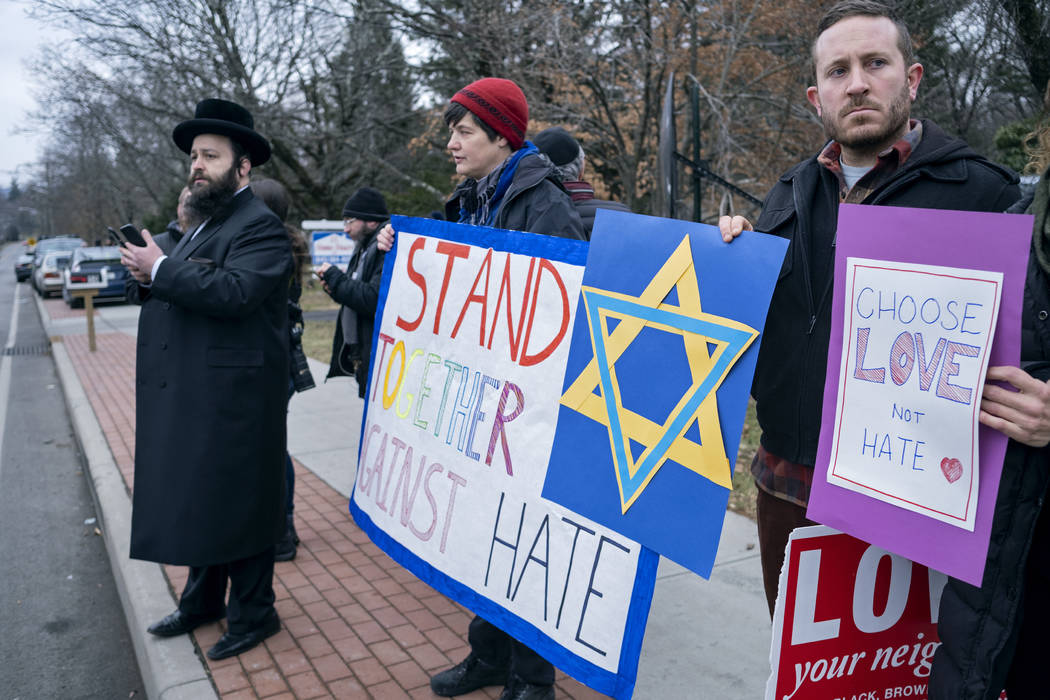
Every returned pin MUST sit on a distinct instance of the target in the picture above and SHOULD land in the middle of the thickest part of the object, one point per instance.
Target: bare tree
(329, 84)
(333, 94)
(1030, 24)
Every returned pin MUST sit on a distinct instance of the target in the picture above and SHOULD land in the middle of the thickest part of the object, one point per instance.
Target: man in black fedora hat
(358, 289)
(211, 382)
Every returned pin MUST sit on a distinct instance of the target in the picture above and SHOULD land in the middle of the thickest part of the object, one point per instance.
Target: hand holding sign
(385, 238)
(732, 226)
(964, 240)
(1023, 415)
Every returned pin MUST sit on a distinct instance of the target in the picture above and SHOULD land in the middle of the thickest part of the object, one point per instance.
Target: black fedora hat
(214, 116)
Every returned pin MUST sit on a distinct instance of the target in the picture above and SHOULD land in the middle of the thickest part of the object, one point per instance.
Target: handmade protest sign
(469, 353)
(912, 367)
(873, 637)
(910, 239)
(663, 352)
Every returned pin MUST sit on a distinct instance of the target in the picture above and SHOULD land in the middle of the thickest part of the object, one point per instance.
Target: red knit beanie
(501, 104)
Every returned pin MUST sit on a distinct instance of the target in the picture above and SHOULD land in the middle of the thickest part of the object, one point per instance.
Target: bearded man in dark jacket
(509, 185)
(866, 79)
(358, 288)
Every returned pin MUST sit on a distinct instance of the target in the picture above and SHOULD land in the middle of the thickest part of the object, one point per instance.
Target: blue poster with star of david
(663, 351)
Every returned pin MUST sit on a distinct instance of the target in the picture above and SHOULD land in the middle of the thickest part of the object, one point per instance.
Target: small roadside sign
(328, 243)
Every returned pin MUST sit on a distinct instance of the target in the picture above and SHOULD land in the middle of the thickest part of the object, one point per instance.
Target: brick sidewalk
(58, 309)
(355, 623)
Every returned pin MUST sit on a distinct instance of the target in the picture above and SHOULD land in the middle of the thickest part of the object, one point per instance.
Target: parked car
(92, 265)
(59, 244)
(47, 277)
(23, 267)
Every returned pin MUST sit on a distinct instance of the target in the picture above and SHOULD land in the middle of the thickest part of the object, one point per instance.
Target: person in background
(567, 155)
(358, 288)
(275, 196)
(993, 637)
(508, 184)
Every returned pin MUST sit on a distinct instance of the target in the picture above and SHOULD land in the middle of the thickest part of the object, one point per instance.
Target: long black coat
(211, 385)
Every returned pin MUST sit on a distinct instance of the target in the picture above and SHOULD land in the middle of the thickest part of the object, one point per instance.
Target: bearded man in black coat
(211, 381)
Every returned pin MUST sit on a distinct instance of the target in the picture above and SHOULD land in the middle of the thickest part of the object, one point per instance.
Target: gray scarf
(347, 315)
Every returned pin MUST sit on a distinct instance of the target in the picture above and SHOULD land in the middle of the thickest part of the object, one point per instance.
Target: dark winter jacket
(361, 295)
(587, 206)
(977, 625)
(941, 173)
(535, 202)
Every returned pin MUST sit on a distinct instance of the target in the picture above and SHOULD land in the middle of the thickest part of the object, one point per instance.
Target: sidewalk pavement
(356, 624)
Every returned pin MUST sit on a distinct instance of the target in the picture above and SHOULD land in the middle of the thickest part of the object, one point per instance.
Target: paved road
(62, 628)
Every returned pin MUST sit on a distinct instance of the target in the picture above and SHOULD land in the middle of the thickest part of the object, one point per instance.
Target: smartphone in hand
(132, 235)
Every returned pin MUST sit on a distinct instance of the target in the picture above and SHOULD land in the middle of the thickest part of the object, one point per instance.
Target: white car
(47, 277)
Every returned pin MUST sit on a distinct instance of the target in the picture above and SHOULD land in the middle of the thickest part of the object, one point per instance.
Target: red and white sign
(852, 621)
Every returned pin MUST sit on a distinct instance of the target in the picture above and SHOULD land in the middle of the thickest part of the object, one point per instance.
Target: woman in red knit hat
(509, 185)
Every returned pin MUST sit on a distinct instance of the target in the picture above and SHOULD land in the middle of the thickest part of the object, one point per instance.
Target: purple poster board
(971, 240)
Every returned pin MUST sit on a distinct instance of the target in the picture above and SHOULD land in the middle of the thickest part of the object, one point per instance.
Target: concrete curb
(170, 668)
(45, 317)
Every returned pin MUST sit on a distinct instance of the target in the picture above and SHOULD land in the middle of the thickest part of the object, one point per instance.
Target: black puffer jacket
(941, 173)
(977, 625)
(535, 202)
(361, 295)
(587, 205)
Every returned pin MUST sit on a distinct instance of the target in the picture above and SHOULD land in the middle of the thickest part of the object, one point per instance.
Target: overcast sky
(19, 39)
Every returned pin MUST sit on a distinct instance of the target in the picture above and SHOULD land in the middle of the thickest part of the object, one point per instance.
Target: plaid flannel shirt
(775, 475)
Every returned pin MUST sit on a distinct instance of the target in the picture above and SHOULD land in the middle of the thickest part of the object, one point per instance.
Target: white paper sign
(467, 371)
(913, 364)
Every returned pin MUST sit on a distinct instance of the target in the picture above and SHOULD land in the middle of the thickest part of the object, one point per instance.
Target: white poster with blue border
(472, 339)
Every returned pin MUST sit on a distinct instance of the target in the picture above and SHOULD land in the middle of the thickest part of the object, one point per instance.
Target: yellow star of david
(707, 369)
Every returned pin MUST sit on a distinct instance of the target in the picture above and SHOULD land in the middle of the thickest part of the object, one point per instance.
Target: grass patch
(314, 298)
(317, 341)
(742, 497)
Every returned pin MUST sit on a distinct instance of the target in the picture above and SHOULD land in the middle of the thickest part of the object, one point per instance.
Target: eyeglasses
(349, 220)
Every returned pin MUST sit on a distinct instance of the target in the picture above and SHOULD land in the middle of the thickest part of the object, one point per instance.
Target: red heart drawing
(952, 468)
